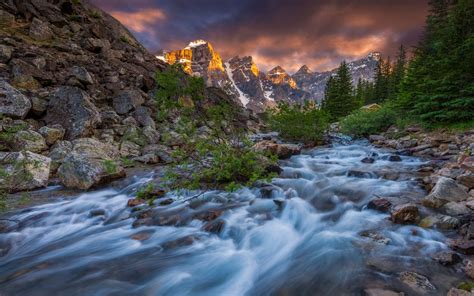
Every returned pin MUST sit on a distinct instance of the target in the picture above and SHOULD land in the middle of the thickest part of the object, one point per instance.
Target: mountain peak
(374, 55)
(304, 70)
(278, 70)
(196, 43)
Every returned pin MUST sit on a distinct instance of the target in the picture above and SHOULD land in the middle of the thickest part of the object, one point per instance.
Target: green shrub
(304, 123)
(110, 166)
(362, 123)
(215, 153)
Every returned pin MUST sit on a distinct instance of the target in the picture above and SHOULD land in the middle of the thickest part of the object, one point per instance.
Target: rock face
(26, 171)
(12, 102)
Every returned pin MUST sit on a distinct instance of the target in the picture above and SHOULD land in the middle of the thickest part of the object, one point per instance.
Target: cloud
(289, 33)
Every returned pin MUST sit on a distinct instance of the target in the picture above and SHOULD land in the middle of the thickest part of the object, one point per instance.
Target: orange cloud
(140, 21)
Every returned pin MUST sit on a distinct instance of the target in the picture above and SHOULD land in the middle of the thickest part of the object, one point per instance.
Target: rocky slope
(241, 78)
(76, 96)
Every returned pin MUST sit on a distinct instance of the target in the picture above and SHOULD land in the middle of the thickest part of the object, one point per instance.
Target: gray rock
(280, 150)
(5, 53)
(52, 134)
(38, 105)
(94, 148)
(6, 17)
(81, 74)
(127, 100)
(129, 149)
(445, 190)
(162, 151)
(376, 138)
(72, 108)
(25, 171)
(40, 31)
(151, 135)
(417, 282)
(83, 172)
(456, 208)
(109, 118)
(12, 102)
(143, 116)
(58, 153)
(29, 140)
(466, 180)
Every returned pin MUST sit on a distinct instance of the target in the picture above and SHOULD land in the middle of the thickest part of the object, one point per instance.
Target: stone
(417, 282)
(375, 236)
(445, 190)
(52, 134)
(468, 267)
(379, 204)
(72, 108)
(459, 292)
(58, 152)
(40, 30)
(129, 149)
(29, 140)
(465, 247)
(152, 136)
(94, 148)
(26, 170)
(133, 202)
(281, 150)
(447, 258)
(394, 158)
(82, 75)
(5, 53)
(466, 180)
(456, 208)
(38, 105)
(143, 116)
(127, 100)
(149, 158)
(12, 102)
(28, 76)
(162, 151)
(440, 221)
(6, 17)
(467, 230)
(97, 212)
(215, 226)
(109, 118)
(96, 45)
(376, 138)
(81, 172)
(368, 160)
(405, 214)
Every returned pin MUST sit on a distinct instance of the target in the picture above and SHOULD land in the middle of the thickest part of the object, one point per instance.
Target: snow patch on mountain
(242, 97)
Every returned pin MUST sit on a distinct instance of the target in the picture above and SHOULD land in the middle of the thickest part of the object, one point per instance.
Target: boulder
(52, 134)
(143, 116)
(152, 136)
(379, 204)
(447, 258)
(38, 105)
(58, 153)
(91, 147)
(162, 151)
(5, 53)
(82, 172)
(82, 75)
(28, 76)
(466, 180)
(459, 292)
(394, 158)
(440, 221)
(456, 208)
(127, 100)
(281, 150)
(12, 102)
(417, 282)
(445, 190)
(129, 149)
(29, 140)
(72, 108)
(40, 30)
(25, 170)
(405, 214)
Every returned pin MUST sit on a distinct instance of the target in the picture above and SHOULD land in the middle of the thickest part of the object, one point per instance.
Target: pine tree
(398, 73)
(339, 100)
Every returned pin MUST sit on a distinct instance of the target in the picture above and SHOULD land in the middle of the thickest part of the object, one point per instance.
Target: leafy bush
(304, 123)
(361, 123)
(215, 153)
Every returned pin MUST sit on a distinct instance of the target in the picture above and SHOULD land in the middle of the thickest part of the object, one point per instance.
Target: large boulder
(24, 171)
(445, 190)
(127, 100)
(58, 153)
(94, 148)
(72, 108)
(280, 150)
(12, 102)
(82, 172)
(29, 140)
(405, 214)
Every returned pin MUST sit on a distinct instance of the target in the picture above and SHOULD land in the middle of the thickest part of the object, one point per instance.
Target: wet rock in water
(83, 172)
(215, 226)
(463, 246)
(405, 214)
(29, 140)
(445, 190)
(440, 221)
(379, 204)
(273, 168)
(468, 267)
(27, 170)
(361, 174)
(12, 102)
(180, 242)
(447, 258)
(281, 150)
(394, 158)
(52, 134)
(165, 202)
(97, 212)
(382, 292)
(375, 236)
(376, 138)
(368, 160)
(459, 292)
(208, 215)
(417, 282)
(133, 202)
(141, 236)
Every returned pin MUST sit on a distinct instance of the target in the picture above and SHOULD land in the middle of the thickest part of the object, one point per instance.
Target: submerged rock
(417, 282)
(379, 204)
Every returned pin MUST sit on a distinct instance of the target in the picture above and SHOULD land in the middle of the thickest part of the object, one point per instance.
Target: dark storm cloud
(276, 32)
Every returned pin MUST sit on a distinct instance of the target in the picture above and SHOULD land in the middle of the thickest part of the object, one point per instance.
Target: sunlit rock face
(279, 76)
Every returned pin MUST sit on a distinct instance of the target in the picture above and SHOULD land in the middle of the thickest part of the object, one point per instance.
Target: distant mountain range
(254, 89)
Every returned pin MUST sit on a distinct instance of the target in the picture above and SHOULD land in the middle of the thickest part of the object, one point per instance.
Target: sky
(289, 33)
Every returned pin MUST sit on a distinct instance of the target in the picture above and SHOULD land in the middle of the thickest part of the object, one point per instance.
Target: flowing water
(308, 233)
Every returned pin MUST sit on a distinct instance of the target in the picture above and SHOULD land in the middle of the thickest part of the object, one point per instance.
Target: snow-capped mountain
(253, 89)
